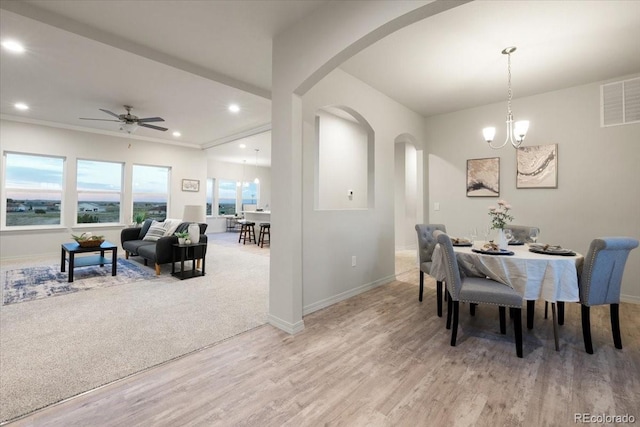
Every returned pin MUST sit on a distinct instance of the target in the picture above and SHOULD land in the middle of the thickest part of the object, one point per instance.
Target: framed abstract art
(537, 166)
(483, 177)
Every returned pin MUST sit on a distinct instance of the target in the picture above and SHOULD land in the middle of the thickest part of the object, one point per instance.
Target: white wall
(342, 163)
(598, 190)
(331, 238)
(37, 139)
(302, 55)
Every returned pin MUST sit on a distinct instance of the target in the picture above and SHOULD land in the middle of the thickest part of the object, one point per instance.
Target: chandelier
(516, 131)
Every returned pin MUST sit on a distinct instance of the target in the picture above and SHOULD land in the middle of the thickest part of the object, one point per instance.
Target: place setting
(547, 249)
(491, 248)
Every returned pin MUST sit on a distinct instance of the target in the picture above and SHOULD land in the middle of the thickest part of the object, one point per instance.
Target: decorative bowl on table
(88, 240)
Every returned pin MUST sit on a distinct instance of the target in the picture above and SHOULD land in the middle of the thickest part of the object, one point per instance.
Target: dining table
(534, 275)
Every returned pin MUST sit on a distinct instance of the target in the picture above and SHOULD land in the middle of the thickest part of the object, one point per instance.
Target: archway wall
(331, 238)
(409, 189)
(302, 56)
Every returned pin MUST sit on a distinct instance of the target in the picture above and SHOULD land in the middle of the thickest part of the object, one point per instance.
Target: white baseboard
(630, 298)
(345, 295)
(290, 328)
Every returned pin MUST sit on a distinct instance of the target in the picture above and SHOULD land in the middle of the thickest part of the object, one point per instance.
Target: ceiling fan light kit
(129, 122)
(516, 131)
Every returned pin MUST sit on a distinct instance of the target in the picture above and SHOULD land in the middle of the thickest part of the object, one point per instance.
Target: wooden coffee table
(73, 248)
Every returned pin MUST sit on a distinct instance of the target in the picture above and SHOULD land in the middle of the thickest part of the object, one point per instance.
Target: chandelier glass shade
(516, 131)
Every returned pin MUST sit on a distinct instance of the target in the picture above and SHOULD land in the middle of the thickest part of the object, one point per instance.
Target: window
(33, 187)
(151, 191)
(211, 186)
(99, 186)
(227, 197)
(250, 194)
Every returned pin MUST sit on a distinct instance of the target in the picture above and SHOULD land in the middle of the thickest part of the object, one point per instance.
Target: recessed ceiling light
(243, 146)
(234, 108)
(13, 46)
(21, 106)
(176, 134)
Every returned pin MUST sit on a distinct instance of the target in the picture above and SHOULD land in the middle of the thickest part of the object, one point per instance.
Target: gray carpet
(54, 348)
(44, 281)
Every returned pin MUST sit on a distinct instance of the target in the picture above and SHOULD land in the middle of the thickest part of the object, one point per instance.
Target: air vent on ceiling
(620, 102)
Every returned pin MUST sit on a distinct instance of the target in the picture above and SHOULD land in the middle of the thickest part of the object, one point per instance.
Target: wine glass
(473, 234)
(508, 234)
(486, 231)
(533, 234)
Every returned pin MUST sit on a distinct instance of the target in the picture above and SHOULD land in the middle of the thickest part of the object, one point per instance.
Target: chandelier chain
(509, 93)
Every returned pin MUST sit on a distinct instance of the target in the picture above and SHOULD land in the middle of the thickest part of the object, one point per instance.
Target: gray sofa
(160, 251)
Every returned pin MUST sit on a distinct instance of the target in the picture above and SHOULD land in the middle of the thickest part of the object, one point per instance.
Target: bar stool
(265, 231)
(247, 231)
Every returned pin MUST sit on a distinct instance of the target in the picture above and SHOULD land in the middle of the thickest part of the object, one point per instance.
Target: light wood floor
(380, 359)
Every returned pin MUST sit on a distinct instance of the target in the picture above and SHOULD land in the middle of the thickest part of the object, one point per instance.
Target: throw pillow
(145, 227)
(170, 226)
(156, 231)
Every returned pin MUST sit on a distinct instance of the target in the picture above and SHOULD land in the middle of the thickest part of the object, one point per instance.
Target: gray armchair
(477, 290)
(426, 244)
(521, 232)
(600, 282)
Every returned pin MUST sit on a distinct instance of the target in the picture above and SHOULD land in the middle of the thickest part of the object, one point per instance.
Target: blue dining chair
(426, 245)
(477, 290)
(600, 282)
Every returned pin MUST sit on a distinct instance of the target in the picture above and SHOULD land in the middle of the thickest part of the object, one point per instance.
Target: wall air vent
(620, 102)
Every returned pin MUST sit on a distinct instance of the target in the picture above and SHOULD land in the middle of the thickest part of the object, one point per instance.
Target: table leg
(173, 260)
(204, 253)
(71, 266)
(114, 262)
(102, 256)
(555, 325)
(62, 261)
(182, 253)
(531, 307)
(560, 312)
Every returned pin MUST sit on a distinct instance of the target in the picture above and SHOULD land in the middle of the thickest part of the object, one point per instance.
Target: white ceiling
(186, 61)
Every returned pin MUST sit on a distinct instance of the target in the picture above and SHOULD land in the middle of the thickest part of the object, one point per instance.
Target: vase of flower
(499, 217)
(501, 240)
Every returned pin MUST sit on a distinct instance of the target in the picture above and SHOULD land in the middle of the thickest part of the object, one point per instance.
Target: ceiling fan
(129, 122)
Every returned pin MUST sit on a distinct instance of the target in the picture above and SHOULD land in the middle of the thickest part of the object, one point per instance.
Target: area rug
(30, 283)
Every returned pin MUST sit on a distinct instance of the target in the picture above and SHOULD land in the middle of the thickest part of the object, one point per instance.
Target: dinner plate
(561, 252)
(461, 244)
(516, 243)
(490, 252)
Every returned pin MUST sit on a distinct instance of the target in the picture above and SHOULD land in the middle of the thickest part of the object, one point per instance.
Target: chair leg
(555, 325)
(421, 286)
(546, 308)
(560, 312)
(531, 308)
(454, 328)
(472, 309)
(517, 327)
(615, 324)
(586, 329)
(503, 320)
(439, 297)
(449, 309)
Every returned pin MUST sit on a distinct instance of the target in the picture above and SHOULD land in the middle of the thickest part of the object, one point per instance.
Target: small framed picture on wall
(190, 185)
(483, 177)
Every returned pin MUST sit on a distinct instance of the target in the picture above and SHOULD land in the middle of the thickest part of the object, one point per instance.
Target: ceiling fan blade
(103, 120)
(151, 119)
(152, 126)
(109, 112)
